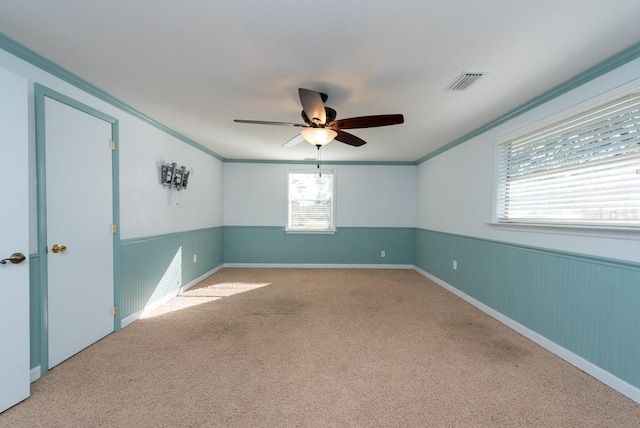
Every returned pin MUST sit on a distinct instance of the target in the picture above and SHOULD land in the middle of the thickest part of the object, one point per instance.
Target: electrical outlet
(455, 265)
(383, 254)
(195, 258)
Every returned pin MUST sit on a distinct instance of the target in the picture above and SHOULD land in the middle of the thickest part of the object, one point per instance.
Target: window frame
(332, 228)
(538, 125)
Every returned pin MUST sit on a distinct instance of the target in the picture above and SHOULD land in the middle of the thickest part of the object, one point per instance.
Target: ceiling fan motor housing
(329, 112)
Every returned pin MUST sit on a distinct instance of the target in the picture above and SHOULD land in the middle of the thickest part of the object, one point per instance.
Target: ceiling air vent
(466, 79)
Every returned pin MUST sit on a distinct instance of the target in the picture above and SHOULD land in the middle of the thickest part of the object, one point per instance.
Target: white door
(79, 235)
(14, 238)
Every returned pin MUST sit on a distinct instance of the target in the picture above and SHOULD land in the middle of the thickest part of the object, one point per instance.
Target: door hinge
(114, 228)
(115, 310)
(113, 144)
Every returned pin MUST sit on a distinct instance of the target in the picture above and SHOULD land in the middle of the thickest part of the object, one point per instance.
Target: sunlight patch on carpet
(202, 295)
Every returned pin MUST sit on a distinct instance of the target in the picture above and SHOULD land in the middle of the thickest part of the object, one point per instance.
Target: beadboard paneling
(35, 309)
(349, 245)
(585, 304)
(154, 267)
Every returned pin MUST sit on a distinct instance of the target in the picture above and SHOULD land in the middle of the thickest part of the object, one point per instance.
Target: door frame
(40, 93)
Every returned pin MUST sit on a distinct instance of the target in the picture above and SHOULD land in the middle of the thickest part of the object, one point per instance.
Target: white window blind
(583, 171)
(310, 201)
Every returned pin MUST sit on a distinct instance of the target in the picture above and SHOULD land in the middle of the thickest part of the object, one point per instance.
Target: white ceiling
(195, 65)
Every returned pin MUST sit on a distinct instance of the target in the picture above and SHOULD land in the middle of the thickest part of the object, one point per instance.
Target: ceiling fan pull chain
(319, 170)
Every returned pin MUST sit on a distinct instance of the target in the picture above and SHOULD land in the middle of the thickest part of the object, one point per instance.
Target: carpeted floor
(318, 348)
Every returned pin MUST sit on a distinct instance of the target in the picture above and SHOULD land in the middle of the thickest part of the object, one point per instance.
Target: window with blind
(584, 170)
(310, 201)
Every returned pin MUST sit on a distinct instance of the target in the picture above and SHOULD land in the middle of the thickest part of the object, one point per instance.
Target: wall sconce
(175, 177)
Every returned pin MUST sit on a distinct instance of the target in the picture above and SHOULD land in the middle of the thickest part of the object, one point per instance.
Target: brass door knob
(15, 258)
(58, 248)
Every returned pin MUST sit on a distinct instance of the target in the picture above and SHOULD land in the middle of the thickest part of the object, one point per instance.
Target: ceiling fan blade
(294, 141)
(367, 121)
(312, 105)
(266, 122)
(350, 139)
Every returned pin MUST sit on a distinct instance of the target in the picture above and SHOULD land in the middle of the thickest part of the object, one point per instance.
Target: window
(310, 201)
(584, 170)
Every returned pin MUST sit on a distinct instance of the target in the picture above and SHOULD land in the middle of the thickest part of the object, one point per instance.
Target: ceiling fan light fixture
(318, 136)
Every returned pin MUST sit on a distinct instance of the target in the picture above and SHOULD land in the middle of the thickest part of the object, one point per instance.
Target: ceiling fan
(321, 126)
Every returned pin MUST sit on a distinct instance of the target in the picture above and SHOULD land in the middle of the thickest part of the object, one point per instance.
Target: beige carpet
(318, 348)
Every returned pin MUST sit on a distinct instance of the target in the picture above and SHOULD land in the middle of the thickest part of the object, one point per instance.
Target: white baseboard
(133, 317)
(34, 374)
(205, 275)
(315, 266)
(597, 372)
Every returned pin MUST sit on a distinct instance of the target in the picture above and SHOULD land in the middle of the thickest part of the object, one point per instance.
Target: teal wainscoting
(588, 305)
(152, 268)
(35, 315)
(349, 245)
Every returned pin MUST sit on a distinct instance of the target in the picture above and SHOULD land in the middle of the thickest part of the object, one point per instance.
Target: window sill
(311, 231)
(619, 232)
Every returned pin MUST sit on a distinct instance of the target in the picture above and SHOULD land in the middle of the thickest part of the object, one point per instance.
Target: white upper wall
(255, 194)
(146, 207)
(373, 195)
(455, 190)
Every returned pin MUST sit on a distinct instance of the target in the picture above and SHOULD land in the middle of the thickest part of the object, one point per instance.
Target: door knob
(58, 248)
(15, 258)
